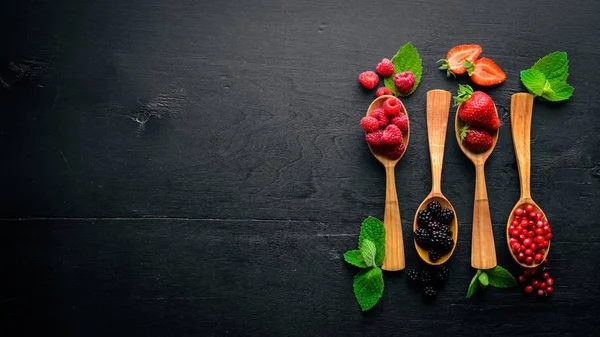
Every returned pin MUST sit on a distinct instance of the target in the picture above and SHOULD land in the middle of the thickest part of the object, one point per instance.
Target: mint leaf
(406, 59)
(474, 284)
(501, 278)
(534, 80)
(355, 258)
(368, 252)
(484, 279)
(372, 229)
(555, 66)
(557, 92)
(368, 287)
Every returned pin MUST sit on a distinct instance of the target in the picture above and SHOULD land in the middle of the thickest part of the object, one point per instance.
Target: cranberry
(515, 233)
(540, 292)
(531, 223)
(511, 228)
(516, 247)
(539, 231)
(530, 234)
(515, 222)
(545, 223)
(521, 257)
(528, 290)
(548, 236)
(519, 212)
(527, 242)
(539, 224)
(538, 239)
(533, 247)
(521, 237)
(532, 216)
(525, 223)
(549, 290)
(522, 279)
(513, 240)
(550, 281)
(538, 258)
(529, 260)
(535, 284)
(539, 216)
(545, 275)
(529, 208)
(546, 229)
(543, 285)
(528, 252)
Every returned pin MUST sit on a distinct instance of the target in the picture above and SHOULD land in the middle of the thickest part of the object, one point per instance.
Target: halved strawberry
(456, 57)
(485, 72)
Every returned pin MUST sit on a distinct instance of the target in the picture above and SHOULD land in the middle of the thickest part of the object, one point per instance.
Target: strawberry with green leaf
(477, 108)
(475, 139)
(454, 62)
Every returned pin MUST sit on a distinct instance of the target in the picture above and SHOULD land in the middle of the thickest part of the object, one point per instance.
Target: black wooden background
(185, 168)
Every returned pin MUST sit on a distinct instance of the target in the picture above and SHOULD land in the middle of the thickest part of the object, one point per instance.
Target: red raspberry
(395, 151)
(392, 106)
(404, 82)
(368, 79)
(391, 135)
(374, 138)
(381, 116)
(401, 121)
(385, 68)
(383, 91)
(369, 124)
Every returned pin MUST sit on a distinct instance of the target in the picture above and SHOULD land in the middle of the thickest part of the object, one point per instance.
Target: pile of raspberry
(530, 235)
(430, 279)
(386, 128)
(537, 280)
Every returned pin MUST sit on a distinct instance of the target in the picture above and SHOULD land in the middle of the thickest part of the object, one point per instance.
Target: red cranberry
(532, 216)
(533, 247)
(528, 252)
(543, 285)
(548, 236)
(540, 292)
(516, 247)
(521, 257)
(529, 208)
(538, 258)
(529, 260)
(539, 224)
(521, 237)
(549, 290)
(530, 234)
(522, 279)
(538, 239)
(546, 229)
(513, 240)
(535, 284)
(519, 212)
(539, 231)
(527, 242)
(539, 216)
(515, 222)
(525, 223)
(528, 290)
(545, 275)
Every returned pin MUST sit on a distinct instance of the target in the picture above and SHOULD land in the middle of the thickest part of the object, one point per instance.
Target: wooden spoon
(521, 108)
(394, 246)
(483, 251)
(438, 109)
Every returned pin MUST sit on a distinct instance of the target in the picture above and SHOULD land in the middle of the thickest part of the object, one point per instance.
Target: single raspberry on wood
(392, 135)
(368, 79)
(381, 117)
(374, 138)
(369, 124)
(395, 151)
(392, 106)
(401, 121)
(385, 68)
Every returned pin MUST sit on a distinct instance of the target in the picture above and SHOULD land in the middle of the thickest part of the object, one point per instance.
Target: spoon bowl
(394, 245)
(438, 110)
(521, 109)
(483, 250)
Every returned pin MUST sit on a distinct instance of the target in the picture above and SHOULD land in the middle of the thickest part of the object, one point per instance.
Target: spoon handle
(438, 109)
(483, 251)
(521, 107)
(394, 245)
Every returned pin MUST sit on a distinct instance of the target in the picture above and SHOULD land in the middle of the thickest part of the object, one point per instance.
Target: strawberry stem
(470, 66)
(463, 131)
(464, 94)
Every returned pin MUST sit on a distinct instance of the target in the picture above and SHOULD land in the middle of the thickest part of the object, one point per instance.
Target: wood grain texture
(197, 167)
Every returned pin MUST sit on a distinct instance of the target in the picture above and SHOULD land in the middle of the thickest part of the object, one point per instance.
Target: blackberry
(445, 216)
(434, 255)
(441, 274)
(429, 293)
(422, 237)
(414, 276)
(434, 225)
(434, 208)
(446, 230)
(446, 244)
(423, 218)
(426, 279)
(436, 239)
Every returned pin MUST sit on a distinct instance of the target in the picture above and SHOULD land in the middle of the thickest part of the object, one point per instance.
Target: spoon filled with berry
(528, 232)
(436, 226)
(387, 133)
(476, 129)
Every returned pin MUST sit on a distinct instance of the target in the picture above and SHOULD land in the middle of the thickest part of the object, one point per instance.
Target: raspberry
(385, 68)
(374, 138)
(368, 79)
(381, 116)
(395, 151)
(404, 82)
(401, 121)
(369, 124)
(383, 91)
(391, 135)
(392, 106)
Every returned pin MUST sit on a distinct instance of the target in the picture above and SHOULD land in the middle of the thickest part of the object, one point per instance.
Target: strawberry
(476, 139)
(485, 72)
(456, 57)
(477, 108)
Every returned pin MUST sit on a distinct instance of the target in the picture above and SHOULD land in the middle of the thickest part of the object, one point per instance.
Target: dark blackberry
(426, 279)
(434, 208)
(423, 218)
(414, 276)
(422, 237)
(445, 216)
(441, 274)
(446, 244)
(434, 256)
(445, 230)
(429, 293)
(434, 225)
(436, 239)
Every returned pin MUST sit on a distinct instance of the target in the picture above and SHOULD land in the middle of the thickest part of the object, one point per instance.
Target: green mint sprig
(547, 78)
(406, 59)
(496, 277)
(368, 283)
